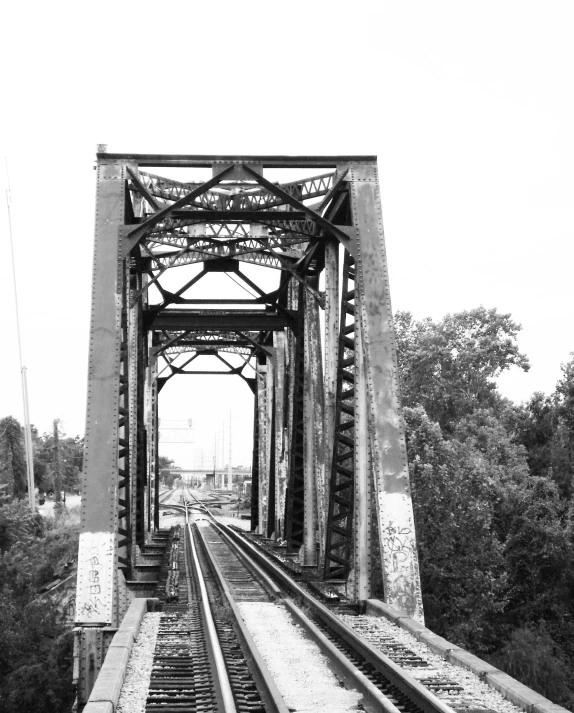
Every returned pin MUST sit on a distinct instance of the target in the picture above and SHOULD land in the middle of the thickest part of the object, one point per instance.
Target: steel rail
(344, 666)
(271, 696)
(401, 679)
(221, 678)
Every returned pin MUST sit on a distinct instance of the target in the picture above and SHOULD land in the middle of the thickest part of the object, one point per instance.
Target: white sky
(468, 105)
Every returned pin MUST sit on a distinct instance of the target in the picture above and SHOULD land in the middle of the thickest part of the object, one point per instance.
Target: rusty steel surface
(198, 161)
(318, 360)
(389, 458)
(97, 557)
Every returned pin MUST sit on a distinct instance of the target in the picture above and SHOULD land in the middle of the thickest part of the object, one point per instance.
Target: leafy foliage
(545, 425)
(449, 367)
(461, 558)
(492, 496)
(35, 649)
(166, 477)
(57, 456)
(12, 458)
(531, 655)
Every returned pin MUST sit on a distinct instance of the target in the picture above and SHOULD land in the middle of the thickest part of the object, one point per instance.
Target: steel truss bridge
(316, 350)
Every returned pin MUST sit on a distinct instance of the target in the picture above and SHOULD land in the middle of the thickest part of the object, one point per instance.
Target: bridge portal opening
(261, 283)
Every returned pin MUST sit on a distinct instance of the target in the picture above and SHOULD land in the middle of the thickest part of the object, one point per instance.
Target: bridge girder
(330, 475)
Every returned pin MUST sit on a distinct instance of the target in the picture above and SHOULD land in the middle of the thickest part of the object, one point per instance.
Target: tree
(35, 648)
(70, 456)
(165, 464)
(492, 496)
(461, 558)
(12, 458)
(545, 426)
(449, 367)
(563, 441)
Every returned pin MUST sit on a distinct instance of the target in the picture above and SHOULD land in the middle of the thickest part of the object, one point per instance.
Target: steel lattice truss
(282, 283)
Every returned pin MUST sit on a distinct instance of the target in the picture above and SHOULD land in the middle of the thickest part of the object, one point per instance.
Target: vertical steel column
(255, 461)
(279, 445)
(97, 558)
(341, 486)
(360, 583)
(125, 539)
(331, 351)
(314, 419)
(264, 443)
(310, 521)
(150, 421)
(295, 497)
(140, 442)
(270, 445)
(396, 527)
(133, 314)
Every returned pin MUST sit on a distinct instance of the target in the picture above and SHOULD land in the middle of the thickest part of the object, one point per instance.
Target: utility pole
(27, 429)
(57, 468)
(229, 466)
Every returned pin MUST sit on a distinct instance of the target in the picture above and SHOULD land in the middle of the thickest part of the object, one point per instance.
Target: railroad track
(380, 678)
(383, 683)
(201, 661)
(229, 567)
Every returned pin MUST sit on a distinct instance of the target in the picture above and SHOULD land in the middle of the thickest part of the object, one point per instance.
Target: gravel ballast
(136, 683)
(476, 695)
(300, 670)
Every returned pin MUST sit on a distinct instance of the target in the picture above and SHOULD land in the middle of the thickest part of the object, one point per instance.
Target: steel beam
(315, 494)
(201, 161)
(295, 498)
(339, 432)
(361, 573)
(341, 485)
(264, 438)
(97, 558)
(331, 273)
(281, 461)
(396, 525)
(151, 404)
(238, 320)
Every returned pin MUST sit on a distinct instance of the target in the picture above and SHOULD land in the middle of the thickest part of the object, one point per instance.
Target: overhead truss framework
(314, 343)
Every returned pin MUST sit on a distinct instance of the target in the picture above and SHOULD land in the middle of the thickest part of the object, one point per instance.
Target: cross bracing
(284, 284)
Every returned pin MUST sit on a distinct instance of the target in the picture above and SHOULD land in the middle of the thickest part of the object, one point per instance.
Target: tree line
(57, 460)
(36, 648)
(492, 486)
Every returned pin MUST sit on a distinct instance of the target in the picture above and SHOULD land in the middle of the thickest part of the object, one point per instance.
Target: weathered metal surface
(396, 526)
(315, 448)
(97, 558)
(255, 462)
(151, 426)
(238, 319)
(264, 445)
(310, 525)
(133, 358)
(324, 443)
(280, 434)
(198, 161)
(295, 498)
(360, 580)
(331, 351)
(339, 544)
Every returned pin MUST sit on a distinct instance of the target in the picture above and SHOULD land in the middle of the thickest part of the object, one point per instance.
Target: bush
(35, 648)
(532, 657)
